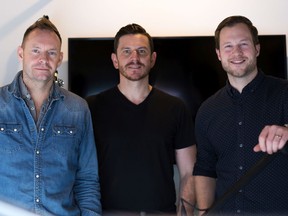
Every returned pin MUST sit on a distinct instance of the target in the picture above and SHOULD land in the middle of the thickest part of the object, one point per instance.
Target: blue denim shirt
(52, 169)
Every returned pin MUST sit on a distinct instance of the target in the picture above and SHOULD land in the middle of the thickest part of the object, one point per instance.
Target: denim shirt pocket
(65, 139)
(10, 137)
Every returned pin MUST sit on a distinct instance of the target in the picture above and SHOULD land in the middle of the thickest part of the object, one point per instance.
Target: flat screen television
(186, 67)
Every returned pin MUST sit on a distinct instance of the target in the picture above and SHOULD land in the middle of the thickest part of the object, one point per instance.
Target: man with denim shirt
(48, 155)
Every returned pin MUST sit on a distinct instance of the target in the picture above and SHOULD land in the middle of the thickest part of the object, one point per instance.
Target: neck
(239, 83)
(39, 93)
(135, 93)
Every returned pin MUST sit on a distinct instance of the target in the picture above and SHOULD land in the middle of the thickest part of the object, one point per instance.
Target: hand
(185, 208)
(272, 139)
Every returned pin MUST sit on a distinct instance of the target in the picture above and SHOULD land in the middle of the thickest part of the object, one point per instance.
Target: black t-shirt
(136, 148)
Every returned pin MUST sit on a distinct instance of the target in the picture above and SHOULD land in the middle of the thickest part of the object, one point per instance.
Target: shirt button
(241, 145)
(32, 108)
(37, 200)
(2, 129)
(42, 129)
(15, 130)
(37, 176)
(240, 191)
(240, 123)
(240, 167)
(238, 211)
(37, 152)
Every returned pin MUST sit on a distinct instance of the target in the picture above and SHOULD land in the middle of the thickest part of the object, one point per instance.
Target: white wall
(100, 18)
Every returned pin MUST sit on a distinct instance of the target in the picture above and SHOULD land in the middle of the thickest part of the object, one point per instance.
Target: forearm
(187, 194)
(205, 192)
(185, 159)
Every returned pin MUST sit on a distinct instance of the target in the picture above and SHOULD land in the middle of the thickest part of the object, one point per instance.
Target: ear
(257, 47)
(115, 60)
(153, 59)
(218, 54)
(20, 53)
(60, 59)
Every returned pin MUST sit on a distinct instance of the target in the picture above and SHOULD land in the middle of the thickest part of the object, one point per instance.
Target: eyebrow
(142, 47)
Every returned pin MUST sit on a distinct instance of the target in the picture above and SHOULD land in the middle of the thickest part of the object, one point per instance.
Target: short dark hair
(42, 23)
(132, 29)
(232, 21)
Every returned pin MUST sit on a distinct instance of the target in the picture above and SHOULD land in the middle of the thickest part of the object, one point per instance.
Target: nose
(237, 50)
(134, 54)
(43, 59)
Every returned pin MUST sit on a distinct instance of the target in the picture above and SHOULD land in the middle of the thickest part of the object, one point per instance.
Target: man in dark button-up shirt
(238, 125)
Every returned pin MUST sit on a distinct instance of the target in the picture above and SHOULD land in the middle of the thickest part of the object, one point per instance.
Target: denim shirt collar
(18, 91)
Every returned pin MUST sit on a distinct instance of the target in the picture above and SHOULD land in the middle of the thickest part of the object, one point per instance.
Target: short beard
(248, 70)
(133, 78)
(143, 76)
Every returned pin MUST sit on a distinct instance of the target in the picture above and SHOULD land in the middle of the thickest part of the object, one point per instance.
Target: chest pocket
(63, 131)
(10, 137)
(65, 140)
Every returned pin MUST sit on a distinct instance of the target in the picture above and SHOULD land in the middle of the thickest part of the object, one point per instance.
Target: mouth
(134, 66)
(41, 68)
(237, 61)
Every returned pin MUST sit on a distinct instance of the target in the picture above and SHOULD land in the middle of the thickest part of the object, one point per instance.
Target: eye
(52, 53)
(35, 51)
(126, 52)
(244, 44)
(228, 46)
(142, 52)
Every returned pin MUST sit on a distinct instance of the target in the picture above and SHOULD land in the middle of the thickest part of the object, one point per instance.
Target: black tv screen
(186, 67)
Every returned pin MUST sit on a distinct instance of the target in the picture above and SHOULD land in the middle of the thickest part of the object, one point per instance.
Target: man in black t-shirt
(140, 132)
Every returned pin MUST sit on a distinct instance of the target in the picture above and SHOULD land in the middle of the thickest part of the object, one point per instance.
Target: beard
(242, 71)
(134, 74)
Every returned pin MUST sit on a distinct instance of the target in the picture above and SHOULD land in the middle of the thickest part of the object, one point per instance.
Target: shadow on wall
(26, 14)
(9, 26)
